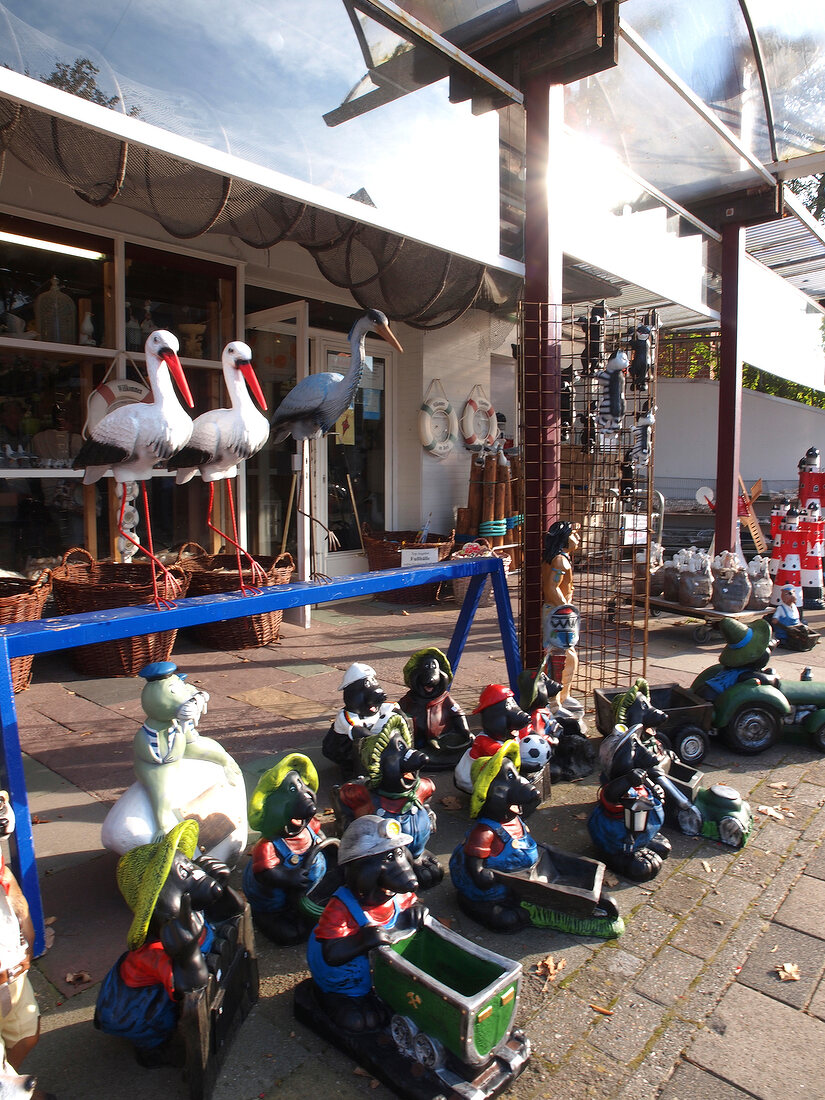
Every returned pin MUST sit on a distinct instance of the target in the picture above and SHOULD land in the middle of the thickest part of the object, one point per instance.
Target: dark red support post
(730, 391)
(541, 354)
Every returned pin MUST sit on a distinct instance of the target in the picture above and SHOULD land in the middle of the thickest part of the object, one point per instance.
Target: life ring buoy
(111, 394)
(437, 423)
(478, 420)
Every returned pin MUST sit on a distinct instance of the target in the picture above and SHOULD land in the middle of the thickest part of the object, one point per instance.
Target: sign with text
(423, 555)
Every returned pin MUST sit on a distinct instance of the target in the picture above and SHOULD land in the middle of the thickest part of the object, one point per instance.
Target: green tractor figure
(752, 706)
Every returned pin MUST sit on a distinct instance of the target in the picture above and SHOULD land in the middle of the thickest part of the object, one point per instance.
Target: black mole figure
(377, 899)
(440, 728)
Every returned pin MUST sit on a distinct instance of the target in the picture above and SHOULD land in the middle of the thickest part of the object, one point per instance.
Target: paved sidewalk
(686, 1005)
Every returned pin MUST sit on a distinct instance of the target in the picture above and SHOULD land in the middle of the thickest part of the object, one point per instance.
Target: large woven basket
(210, 574)
(21, 601)
(81, 583)
(384, 552)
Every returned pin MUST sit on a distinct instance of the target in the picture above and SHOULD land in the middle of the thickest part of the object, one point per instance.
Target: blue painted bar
(67, 631)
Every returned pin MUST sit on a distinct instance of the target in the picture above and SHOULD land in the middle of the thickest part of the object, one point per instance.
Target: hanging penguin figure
(566, 408)
(593, 327)
(612, 403)
(588, 436)
(643, 436)
(642, 344)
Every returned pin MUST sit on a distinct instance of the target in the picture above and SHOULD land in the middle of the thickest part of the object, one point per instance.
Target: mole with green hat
(182, 910)
(288, 860)
(744, 657)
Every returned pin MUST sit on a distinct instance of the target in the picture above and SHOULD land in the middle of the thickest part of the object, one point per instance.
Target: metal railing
(50, 635)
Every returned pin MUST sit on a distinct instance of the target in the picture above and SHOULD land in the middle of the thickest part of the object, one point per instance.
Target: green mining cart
(454, 1006)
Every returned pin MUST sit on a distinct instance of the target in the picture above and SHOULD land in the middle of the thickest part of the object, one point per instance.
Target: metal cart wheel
(702, 633)
(428, 1051)
(403, 1032)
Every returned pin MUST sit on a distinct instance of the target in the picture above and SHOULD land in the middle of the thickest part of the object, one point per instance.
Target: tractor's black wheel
(752, 729)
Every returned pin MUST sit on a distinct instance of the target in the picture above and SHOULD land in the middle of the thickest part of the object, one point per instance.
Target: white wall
(775, 433)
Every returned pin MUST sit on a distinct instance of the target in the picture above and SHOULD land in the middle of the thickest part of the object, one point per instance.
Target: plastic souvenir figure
(573, 753)
(183, 910)
(287, 861)
(593, 328)
(501, 719)
(588, 436)
(642, 344)
(426, 1011)
(176, 766)
(560, 619)
(19, 1014)
(504, 879)
(788, 626)
(745, 657)
(365, 710)
(393, 789)
(631, 747)
(625, 824)
(439, 724)
(612, 403)
(642, 447)
(378, 898)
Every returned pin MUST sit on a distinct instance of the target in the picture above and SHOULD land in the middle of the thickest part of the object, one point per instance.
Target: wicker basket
(22, 601)
(81, 584)
(461, 584)
(384, 552)
(217, 573)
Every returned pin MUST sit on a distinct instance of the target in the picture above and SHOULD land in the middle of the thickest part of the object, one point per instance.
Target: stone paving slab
(804, 906)
(776, 947)
(766, 1048)
(691, 1083)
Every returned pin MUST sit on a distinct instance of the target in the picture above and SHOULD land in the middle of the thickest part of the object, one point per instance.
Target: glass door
(352, 477)
(277, 478)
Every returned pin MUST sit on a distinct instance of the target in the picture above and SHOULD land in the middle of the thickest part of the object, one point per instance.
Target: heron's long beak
(246, 369)
(171, 360)
(387, 334)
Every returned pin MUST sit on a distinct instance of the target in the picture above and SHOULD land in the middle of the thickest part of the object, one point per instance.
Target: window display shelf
(64, 351)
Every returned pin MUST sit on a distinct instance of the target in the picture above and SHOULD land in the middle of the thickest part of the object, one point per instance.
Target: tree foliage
(811, 190)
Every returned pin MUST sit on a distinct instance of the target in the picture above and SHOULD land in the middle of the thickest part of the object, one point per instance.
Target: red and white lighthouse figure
(811, 480)
(778, 513)
(790, 549)
(812, 529)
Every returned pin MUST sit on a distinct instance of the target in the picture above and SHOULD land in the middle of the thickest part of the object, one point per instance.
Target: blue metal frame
(48, 635)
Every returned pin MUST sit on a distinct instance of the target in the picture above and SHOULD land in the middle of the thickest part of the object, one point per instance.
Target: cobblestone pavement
(686, 1005)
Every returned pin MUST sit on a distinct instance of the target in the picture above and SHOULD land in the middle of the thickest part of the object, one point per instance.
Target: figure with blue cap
(175, 765)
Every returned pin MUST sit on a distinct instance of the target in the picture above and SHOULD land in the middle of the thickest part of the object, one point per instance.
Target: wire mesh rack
(605, 401)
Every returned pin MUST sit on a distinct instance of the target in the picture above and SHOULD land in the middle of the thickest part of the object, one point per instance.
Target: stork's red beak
(176, 370)
(246, 369)
(386, 333)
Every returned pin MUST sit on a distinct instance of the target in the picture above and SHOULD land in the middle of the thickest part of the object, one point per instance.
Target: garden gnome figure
(560, 619)
(787, 624)
(19, 1014)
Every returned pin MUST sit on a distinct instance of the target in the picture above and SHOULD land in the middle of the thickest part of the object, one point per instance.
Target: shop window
(193, 299)
(56, 285)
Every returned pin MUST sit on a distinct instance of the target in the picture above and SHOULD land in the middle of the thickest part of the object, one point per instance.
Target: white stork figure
(222, 438)
(132, 439)
(312, 407)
